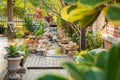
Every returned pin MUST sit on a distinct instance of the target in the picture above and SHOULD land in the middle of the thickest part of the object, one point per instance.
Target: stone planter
(13, 67)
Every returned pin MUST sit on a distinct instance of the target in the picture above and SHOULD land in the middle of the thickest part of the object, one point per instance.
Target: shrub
(28, 24)
(2, 28)
(19, 32)
(5, 33)
(75, 38)
(93, 41)
(38, 32)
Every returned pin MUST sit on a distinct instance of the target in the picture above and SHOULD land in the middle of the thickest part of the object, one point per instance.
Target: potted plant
(13, 57)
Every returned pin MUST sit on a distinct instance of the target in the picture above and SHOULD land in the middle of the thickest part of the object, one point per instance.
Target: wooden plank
(42, 62)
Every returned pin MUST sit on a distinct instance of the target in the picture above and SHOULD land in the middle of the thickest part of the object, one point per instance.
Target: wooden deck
(37, 66)
(40, 62)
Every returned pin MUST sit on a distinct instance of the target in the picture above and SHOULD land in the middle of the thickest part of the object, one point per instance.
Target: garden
(59, 40)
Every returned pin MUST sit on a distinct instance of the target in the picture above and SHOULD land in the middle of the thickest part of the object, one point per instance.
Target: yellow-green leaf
(79, 13)
(88, 19)
(64, 13)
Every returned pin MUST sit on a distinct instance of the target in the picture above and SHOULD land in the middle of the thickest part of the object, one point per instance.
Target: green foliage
(93, 3)
(97, 57)
(19, 11)
(113, 67)
(85, 12)
(2, 28)
(106, 66)
(112, 13)
(12, 51)
(80, 14)
(60, 22)
(84, 72)
(24, 48)
(93, 40)
(75, 38)
(35, 3)
(51, 77)
(28, 24)
(38, 32)
(19, 34)
(70, 1)
(18, 8)
(5, 33)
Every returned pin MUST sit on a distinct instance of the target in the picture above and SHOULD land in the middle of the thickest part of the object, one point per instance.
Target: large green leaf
(84, 72)
(95, 74)
(112, 12)
(79, 12)
(113, 67)
(82, 60)
(88, 57)
(93, 3)
(72, 69)
(102, 60)
(8, 49)
(51, 77)
(96, 51)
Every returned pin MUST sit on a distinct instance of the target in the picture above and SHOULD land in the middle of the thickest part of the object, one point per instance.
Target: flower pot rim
(13, 58)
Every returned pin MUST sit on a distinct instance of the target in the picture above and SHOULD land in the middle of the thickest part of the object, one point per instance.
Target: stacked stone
(66, 43)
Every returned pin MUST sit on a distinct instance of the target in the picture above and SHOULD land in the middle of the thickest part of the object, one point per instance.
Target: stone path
(3, 62)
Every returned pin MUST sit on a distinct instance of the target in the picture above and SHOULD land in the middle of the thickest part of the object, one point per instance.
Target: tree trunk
(10, 20)
(82, 39)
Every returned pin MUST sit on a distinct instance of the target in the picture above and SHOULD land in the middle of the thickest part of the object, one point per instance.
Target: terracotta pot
(13, 67)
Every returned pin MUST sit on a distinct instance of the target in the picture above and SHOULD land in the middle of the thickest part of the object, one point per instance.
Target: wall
(111, 35)
(111, 32)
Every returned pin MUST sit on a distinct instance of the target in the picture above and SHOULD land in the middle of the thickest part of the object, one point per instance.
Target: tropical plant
(107, 67)
(97, 57)
(85, 12)
(12, 51)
